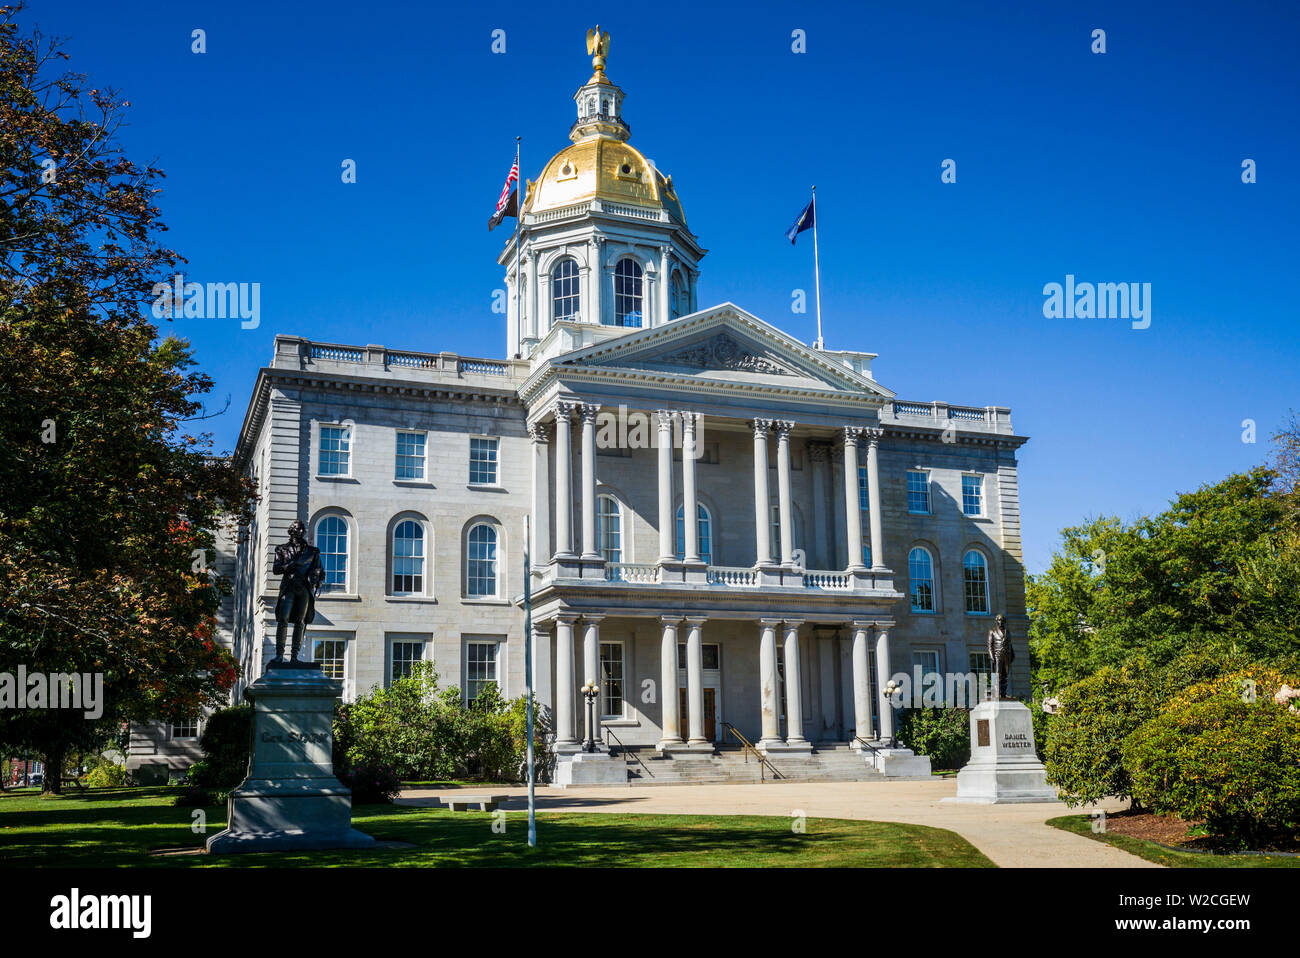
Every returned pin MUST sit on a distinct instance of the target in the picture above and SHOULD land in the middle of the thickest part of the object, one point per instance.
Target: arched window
(627, 293)
(481, 561)
(565, 298)
(679, 297)
(408, 558)
(609, 528)
(704, 531)
(332, 540)
(975, 577)
(920, 572)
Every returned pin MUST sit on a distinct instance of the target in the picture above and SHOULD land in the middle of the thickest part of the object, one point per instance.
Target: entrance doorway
(710, 712)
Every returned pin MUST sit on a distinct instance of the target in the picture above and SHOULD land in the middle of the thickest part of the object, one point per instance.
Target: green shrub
(106, 774)
(372, 783)
(1082, 753)
(941, 733)
(227, 741)
(1218, 754)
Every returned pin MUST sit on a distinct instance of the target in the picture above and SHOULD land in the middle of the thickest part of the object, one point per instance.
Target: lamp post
(591, 691)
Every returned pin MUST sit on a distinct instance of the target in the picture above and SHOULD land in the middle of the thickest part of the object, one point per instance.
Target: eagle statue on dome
(597, 48)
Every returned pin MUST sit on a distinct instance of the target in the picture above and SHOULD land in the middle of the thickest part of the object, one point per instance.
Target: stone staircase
(730, 765)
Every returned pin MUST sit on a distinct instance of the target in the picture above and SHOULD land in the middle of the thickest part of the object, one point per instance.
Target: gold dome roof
(601, 167)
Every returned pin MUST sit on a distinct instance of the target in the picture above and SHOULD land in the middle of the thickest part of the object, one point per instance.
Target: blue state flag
(805, 221)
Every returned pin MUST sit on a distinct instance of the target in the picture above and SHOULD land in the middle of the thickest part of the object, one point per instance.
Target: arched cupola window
(565, 297)
(627, 293)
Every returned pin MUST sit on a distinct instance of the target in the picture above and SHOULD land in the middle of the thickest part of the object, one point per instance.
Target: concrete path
(1013, 836)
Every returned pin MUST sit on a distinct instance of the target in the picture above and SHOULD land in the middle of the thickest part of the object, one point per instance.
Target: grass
(117, 827)
(1153, 852)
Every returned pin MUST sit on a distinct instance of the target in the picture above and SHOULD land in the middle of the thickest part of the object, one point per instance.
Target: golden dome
(604, 168)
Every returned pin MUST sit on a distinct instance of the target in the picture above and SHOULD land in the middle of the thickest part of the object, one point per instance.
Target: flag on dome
(508, 204)
(805, 221)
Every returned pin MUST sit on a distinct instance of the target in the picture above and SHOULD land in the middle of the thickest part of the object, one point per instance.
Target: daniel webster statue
(298, 563)
(1001, 653)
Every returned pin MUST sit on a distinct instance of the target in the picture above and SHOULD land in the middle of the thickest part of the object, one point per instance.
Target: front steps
(728, 765)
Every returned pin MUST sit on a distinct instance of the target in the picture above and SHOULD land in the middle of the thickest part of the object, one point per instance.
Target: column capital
(665, 417)
(588, 411)
(853, 433)
(783, 427)
(673, 620)
(762, 427)
(862, 625)
(540, 433)
(567, 618)
(873, 434)
(564, 408)
(792, 623)
(592, 618)
(695, 619)
(689, 420)
(819, 450)
(770, 623)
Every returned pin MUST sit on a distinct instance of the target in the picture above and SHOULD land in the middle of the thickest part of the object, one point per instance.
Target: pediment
(723, 346)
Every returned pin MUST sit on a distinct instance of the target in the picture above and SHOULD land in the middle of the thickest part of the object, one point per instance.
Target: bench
(480, 803)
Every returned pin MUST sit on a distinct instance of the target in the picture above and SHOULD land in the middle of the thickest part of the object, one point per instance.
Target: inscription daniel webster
(1017, 740)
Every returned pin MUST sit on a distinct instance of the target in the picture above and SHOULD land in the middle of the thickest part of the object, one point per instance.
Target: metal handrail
(859, 738)
(763, 762)
(611, 734)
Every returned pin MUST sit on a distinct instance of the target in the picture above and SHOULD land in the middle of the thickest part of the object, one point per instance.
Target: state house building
(818, 536)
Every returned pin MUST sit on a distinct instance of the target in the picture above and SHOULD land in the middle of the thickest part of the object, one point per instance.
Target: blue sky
(1115, 167)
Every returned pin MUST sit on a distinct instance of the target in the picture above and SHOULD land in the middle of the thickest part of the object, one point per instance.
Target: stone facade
(624, 406)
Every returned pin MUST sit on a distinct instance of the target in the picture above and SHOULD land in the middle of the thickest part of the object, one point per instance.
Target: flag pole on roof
(807, 219)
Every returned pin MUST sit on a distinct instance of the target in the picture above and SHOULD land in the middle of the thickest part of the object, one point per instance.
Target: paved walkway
(1012, 836)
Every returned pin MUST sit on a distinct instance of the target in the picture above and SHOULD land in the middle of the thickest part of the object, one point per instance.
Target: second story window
(481, 562)
(483, 461)
(609, 529)
(335, 455)
(410, 456)
(920, 572)
(627, 293)
(972, 495)
(918, 492)
(565, 299)
(864, 495)
(332, 540)
(408, 558)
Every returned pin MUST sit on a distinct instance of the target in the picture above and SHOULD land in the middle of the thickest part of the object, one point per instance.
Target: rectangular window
(866, 551)
(483, 461)
(331, 655)
(864, 494)
(611, 679)
(335, 451)
(980, 663)
(480, 668)
(918, 492)
(404, 656)
(972, 495)
(189, 728)
(710, 656)
(410, 456)
(928, 660)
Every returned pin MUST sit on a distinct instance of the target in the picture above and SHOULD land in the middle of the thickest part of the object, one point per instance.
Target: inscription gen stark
(318, 738)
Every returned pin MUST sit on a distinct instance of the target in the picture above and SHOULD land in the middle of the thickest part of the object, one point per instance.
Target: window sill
(924, 612)
(911, 512)
(320, 478)
(485, 487)
(338, 597)
(418, 483)
(412, 599)
(482, 600)
(979, 615)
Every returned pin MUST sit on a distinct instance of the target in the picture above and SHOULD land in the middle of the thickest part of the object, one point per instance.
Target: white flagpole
(817, 271)
(519, 222)
(528, 681)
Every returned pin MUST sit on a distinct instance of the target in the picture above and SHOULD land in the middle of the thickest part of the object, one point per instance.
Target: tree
(1210, 572)
(108, 503)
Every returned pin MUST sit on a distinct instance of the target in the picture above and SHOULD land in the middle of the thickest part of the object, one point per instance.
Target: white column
(672, 725)
(769, 682)
(690, 506)
(591, 664)
(540, 546)
(565, 731)
(883, 671)
(695, 678)
(873, 493)
(783, 491)
(542, 666)
(852, 501)
(793, 686)
(667, 524)
(563, 480)
(861, 681)
(588, 412)
(762, 510)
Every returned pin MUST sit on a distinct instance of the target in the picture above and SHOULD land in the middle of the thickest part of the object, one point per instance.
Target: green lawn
(118, 827)
(1082, 825)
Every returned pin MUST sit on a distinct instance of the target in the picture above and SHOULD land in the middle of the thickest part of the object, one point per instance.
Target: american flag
(511, 179)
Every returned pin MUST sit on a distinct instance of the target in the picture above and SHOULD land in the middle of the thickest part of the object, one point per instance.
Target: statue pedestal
(1003, 767)
(290, 799)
